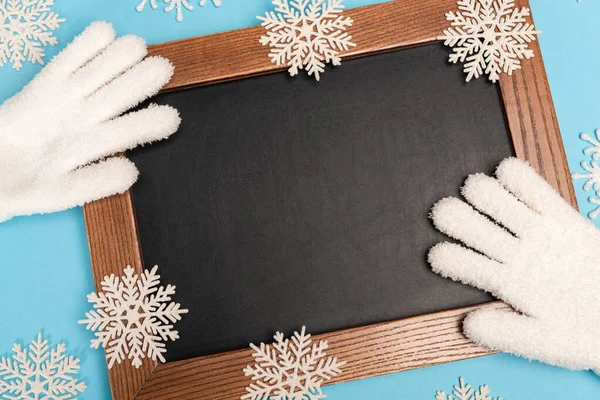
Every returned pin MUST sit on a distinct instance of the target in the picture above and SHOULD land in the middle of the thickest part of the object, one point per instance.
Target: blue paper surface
(44, 260)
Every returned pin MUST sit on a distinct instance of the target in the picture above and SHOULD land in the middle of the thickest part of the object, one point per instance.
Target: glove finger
(128, 90)
(462, 222)
(106, 178)
(124, 133)
(78, 187)
(488, 196)
(529, 187)
(527, 337)
(453, 261)
(82, 49)
(6, 214)
(120, 56)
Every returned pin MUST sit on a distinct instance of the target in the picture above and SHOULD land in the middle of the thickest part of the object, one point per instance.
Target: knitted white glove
(547, 267)
(68, 117)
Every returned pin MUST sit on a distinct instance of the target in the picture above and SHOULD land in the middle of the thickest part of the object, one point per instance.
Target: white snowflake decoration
(38, 372)
(306, 34)
(596, 211)
(177, 5)
(25, 28)
(594, 149)
(290, 370)
(592, 174)
(489, 36)
(133, 316)
(463, 391)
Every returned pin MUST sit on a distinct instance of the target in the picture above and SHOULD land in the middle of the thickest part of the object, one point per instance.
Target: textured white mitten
(68, 116)
(544, 261)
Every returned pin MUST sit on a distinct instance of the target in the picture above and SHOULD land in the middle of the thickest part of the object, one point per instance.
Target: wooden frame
(372, 350)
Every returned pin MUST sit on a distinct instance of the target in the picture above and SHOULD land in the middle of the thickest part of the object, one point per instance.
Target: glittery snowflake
(133, 317)
(306, 34)
(591, 176)
(290, 370)
(489, 36)
(596, 211)
(463, 391)
(25, 29)
(38, 372)
(177, 5)
(594, 149)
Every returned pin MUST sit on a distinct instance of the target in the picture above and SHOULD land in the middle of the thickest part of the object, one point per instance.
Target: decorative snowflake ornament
(464, 392)
(594, 149)
(489, 36)
(133, 317)
(290, 370)
(306, 34)
(38, 372)
(25, 28)
(177, 5)
(596, 211)
(592, 174)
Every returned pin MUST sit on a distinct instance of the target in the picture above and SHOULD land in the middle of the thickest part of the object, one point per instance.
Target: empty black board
(284, 202)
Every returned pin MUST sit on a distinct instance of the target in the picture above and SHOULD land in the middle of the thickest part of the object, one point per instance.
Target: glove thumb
(529, 337)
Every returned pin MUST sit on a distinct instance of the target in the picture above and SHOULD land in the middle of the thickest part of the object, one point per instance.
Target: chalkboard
(284, 202)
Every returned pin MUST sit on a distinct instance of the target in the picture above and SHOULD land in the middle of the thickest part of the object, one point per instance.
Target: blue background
(45, 264)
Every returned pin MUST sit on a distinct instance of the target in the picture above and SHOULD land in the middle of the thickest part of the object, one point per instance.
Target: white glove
(68, 117)
(547, 267)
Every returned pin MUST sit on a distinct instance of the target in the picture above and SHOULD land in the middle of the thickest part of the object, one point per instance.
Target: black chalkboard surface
(284, 202)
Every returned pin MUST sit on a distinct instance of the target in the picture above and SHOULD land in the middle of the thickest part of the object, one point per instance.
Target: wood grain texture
(532, 121)
(114, 244)
(369, 351)
(385, 27)
(238, 54)
(372, 350)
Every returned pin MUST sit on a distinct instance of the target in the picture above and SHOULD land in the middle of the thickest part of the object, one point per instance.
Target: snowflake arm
(596, 211)
(290, 369)
(594, 149)
(170, 5)
(178, 5)
(63, 366)
(483, 393)
(133, 317)
(592, 176)
(40, 372)
(142, 4)
(463, 391)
